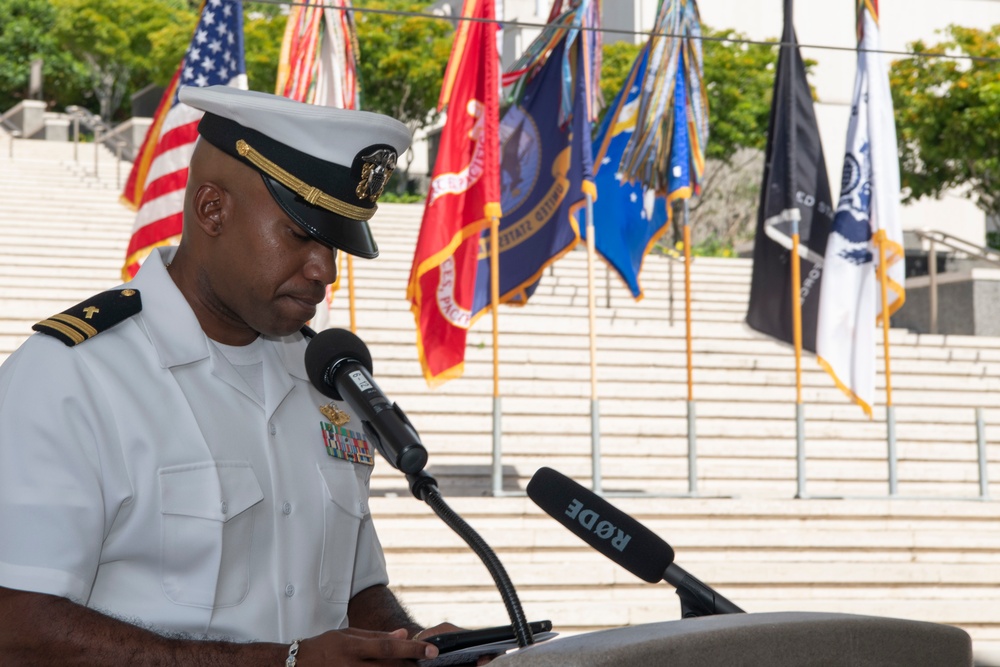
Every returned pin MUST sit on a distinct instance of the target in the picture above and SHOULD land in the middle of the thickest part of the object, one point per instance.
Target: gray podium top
(783, 639)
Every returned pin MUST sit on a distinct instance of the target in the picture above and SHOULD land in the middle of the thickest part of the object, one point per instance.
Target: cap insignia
(311, 194)
(375, 173)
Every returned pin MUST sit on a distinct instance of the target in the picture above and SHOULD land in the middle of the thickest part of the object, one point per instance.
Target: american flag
(156, 184)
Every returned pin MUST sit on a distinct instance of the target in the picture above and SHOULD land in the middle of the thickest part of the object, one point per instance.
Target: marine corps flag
(867, 215)
(463, 196)
(794, 178)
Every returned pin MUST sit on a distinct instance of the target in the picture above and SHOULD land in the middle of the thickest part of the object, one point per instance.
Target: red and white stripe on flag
(463, 196)
(155, 186)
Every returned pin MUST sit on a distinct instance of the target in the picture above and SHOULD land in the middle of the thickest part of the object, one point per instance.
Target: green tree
(263, 31)
(946, 118)
(402, 61)
(123, 44)
(26, 34)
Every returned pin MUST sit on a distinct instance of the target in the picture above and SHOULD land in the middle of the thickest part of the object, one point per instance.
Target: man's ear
(209, 204)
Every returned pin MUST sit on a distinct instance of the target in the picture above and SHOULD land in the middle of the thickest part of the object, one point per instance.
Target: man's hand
(363, 647)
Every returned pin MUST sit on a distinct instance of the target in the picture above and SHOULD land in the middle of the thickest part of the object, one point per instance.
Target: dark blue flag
(628, 219)
(545, 171)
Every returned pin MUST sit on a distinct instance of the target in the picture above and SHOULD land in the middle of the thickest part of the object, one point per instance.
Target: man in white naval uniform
(170, 492)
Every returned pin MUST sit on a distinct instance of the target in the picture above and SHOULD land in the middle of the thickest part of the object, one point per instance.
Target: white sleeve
(54, 425)
(369, 561)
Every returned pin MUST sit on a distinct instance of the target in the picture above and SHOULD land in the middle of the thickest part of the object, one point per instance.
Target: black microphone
(340, 366)
(622, 539)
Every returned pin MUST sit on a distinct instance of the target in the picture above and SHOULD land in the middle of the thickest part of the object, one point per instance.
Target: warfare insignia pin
(375, 173)
(348, 445)
(335, 414)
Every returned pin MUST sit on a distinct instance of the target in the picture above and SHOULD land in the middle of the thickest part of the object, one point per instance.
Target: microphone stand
(697, 598)
(424, 487)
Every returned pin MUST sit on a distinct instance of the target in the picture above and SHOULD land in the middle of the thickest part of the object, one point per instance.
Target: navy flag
(545, 171)
(794, 178)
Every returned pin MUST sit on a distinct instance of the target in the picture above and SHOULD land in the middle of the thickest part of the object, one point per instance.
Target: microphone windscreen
(327, 349)
(601, 525)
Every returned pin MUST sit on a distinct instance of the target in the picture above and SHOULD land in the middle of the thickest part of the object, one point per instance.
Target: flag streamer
(319, 65)
(647, 158)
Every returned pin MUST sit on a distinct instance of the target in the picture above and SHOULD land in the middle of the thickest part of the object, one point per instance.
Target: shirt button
(272, 428)
(225, 507)
(361, 506)
(286, 509)
(289, 590)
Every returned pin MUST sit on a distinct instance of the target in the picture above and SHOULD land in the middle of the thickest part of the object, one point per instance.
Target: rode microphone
(622, 539)
(339, 366)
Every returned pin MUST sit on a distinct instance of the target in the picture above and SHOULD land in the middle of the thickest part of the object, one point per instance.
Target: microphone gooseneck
(425, 488)
(339, 365)
(623, 539)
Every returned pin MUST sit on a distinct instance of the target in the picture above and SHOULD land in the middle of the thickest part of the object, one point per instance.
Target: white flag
(850, 306)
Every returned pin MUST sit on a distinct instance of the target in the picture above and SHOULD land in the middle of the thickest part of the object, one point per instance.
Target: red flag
(464, 195)
(159, 175)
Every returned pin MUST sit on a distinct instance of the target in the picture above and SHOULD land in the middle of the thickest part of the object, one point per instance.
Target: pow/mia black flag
(795, 185)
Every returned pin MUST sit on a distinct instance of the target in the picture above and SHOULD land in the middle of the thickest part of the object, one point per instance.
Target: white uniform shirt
(141, 476)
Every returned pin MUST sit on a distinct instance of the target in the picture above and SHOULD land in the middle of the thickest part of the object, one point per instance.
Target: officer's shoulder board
(89, 318)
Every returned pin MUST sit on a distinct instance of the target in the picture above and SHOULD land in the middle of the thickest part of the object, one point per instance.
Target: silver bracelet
(293, 652)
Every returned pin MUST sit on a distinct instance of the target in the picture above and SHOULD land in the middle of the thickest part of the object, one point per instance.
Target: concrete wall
(968, 304)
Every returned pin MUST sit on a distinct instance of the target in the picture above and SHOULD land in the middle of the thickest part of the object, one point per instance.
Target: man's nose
(322, 264)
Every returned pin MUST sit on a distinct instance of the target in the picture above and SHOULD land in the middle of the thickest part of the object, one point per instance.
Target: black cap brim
(352, 236)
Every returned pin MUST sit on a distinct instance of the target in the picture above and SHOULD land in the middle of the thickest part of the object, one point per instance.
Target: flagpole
(595, 408)
(792, 207)
(890, 410)
(350, 292)
(495, 301)
(692, 436)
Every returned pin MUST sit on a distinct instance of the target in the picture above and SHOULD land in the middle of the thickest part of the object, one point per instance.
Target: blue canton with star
(215, 55)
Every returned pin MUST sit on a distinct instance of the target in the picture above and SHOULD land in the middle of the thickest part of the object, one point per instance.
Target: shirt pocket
(343, 512)
(206, 532)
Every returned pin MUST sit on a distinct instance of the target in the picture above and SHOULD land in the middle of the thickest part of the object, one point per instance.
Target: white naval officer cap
(325, 167)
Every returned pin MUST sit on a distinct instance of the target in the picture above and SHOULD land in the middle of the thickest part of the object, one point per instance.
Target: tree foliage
(402, 61)
(26, 34)
(123, 44)
(263, 32)
(946, 118)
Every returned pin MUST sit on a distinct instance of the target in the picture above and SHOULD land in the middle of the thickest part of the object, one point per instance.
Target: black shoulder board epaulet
(96, 314)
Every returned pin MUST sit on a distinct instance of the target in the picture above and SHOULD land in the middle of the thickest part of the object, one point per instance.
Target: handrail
(14, 133)
(934, 237)
(103, 134)
(957, 244)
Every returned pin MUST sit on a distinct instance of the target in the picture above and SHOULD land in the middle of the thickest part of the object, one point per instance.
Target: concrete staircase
(931, 554)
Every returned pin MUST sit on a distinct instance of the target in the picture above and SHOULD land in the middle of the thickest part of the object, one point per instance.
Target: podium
(782, 639)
